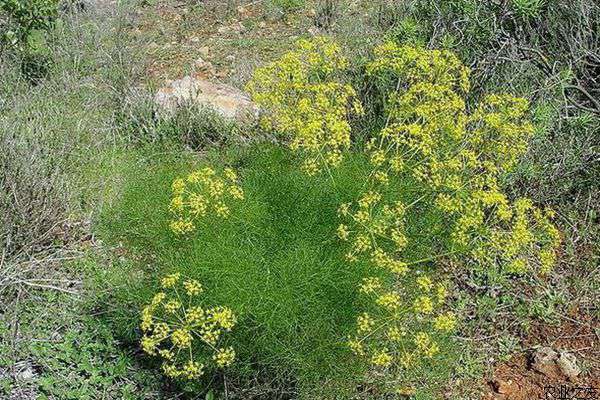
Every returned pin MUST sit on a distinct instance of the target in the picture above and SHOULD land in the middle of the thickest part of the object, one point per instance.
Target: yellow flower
(166, 354)
(221, 209)
(236, 192)
(178, 186)
(230, 174)
(172, 306)
(181, 338)
(424, 283)
(381, 358)
(517, 266)
(398, 267)
(370, 285)
(377, 157)
(158, 298)
(224, 317)
(423, 304)
(160, 331)
(146, 319)
(441, 293)
(192, 370)
(149, 345)
(176, 204)
(342, 232)
(170, 280)
(356, 347)
(395, 334)
(307, 102)
(192, 287)
(426, 345)
(205, 190)
(389, 300)
(445, 322)
(224, 357)
(181, 226)
(194, 315)
(343, 209)
(173, 327)
(407, 360)
(382, 177)
(365, 323)
(171, 370)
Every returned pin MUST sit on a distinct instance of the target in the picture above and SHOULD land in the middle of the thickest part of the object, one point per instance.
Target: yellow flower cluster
(403, 329)
(375, 229)
(200, 193)
(180, 331)
(520, 238)
(303, 98)
(416, 65)
(460, 157)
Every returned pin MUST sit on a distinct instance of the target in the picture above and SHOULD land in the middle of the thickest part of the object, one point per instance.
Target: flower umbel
(183, 332)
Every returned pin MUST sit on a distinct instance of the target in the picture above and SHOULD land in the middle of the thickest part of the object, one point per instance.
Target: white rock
(26, 374)
(228, 101)
(568, 365)
(204, 51)
(205, 66)
(544, 360)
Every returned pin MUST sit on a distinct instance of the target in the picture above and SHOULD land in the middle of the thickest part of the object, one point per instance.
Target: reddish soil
(518, 380)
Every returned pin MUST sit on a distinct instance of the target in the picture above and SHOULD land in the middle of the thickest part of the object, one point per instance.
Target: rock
(544, 361)
(204, 51)
(554, 364)
(223, 30)
(568, 365)
(204, 68)
(314, 31)
(228, 101)
(262, 24)
(26, 374)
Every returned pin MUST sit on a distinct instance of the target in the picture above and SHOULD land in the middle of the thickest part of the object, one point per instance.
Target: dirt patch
(518, 379)
(173, 35)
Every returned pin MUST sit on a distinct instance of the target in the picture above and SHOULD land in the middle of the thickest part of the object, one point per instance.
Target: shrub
(23, 18)
(427, 188)
(195, 126)
(33, 195)
(26, 23)
(272, 261)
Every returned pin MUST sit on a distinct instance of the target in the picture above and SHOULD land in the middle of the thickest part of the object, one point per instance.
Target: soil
(517, 380)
